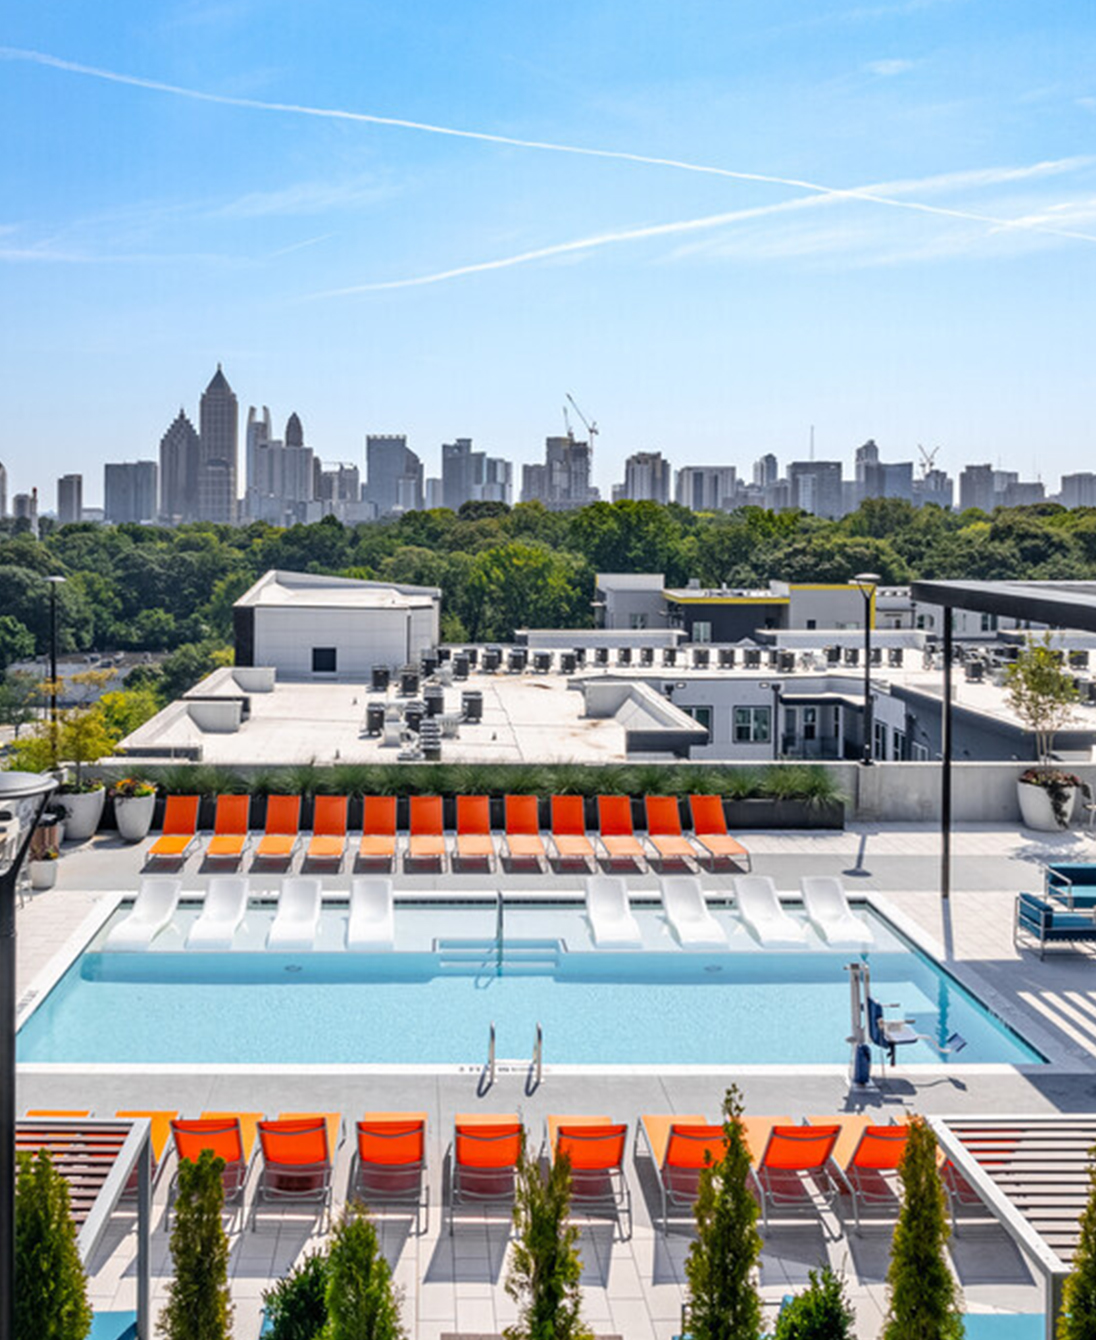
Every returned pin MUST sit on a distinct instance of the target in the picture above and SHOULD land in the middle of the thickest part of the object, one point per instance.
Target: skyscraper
(130, 491)
(3, 490)
(976, 488)
(218, 432)
(707, 488)
(457, 472)
(256, 440)
(816, 487)
(765, 471)
(646, 478)
(70, 498)
(180, 453)
(563, 481)
(394, 476)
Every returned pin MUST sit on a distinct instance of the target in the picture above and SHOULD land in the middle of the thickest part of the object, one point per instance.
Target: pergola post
(945, 772)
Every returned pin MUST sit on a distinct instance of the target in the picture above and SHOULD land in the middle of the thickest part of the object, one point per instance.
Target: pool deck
(632, 1288)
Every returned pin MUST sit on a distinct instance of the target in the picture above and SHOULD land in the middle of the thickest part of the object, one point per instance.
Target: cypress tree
(198, 1305)
(924, 1297)
(361, 1304)
(1077, 1320)
(546, 1266)
(50, 1285)
(722, 1298)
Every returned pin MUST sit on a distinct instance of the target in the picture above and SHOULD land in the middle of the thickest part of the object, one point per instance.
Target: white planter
(133, 815)
(1037, 812)
(83, 810)
(43, 874)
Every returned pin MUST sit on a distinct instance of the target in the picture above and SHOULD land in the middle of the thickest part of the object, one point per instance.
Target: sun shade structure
(1057, 604)
(101, 1161)
(1031, 1173)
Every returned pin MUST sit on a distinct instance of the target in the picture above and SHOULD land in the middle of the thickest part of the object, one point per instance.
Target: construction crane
(591, 428)
(928, 459)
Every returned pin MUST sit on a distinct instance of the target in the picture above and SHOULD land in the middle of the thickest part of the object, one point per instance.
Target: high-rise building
(976, 488)
(394, 474)
(340, 483)
(707, 488)
(130, 491)
(218, 432)
(180, 456)
(24, 507)
(563, 481)
(1021, 493)
(70, 499)
(934, 486)
(765, 471)
(494, 479)
(3, 490)
(257, 437)
(816, 487)
(1079, 490)
(282, 472)
(457, 472)
(646, 478)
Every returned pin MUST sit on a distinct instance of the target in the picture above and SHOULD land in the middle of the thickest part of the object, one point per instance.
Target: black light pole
(865, 583)
(24, 796)
(54, 583)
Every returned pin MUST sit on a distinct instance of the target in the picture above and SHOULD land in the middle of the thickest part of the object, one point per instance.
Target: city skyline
(717, 229)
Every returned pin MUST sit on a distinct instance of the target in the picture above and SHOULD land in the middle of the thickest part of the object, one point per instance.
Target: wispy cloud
(887, 69)
(254, 104)
(302, 198)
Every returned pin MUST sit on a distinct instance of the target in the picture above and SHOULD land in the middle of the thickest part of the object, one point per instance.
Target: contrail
(986, 176)
(295, 109)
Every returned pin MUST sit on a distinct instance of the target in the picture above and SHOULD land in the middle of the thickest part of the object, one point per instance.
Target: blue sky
(146, 234)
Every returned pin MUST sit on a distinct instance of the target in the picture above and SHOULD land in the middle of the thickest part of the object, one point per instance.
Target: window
(752, 725)
(879, 740)
(900, 745)
(810, 723)
(324, 660)
(702, 716)
(989, 623)
(791, 722)
(637, 620)
(918, 753)
(702, 630)
(812, 623)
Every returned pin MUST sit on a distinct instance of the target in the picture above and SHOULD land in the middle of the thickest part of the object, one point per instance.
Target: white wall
(284, 638)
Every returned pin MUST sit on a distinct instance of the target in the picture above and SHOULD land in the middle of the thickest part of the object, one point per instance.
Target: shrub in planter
(361, 1303)
(1041, 692)
(134, 801)
(1077, 1320)
(198, 1304)
(820, 1312)
(296, 1307)
(51, 1287)
(43, 868)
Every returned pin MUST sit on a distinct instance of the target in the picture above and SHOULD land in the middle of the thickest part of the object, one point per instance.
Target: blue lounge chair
(1050, 923)
(1072, 883)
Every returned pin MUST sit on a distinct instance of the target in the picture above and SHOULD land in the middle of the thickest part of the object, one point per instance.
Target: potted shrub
(43, 868)
(1041, 692)
(134, 800)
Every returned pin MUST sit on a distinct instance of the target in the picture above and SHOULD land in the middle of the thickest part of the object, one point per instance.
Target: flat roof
(1060, 604)
(306, 590)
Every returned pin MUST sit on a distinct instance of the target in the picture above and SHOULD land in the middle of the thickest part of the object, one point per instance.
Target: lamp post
(776, 685)
(54, 583)
(865, 583)
(23, 797)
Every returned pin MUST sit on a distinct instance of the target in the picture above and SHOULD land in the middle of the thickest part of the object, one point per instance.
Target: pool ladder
(536, 1065)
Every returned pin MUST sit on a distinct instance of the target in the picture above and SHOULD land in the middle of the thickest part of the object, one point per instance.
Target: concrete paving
(632, 1286)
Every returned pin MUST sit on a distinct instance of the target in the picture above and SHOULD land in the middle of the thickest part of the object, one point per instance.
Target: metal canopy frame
(1063, 1144)
(99, 1159)
(1057, 604)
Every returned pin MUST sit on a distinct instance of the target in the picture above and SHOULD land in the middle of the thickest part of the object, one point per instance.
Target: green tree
(361, 1303)
(16, 641)
(1077, 1319)
(50, 1284)
(198, 1305)
(924, 1297)
(1041, 691)
(18, 700)
(722, 1298)
(296, 1307)
(820, 1312)
(188, 664)
(546, 1266)
(125, 709)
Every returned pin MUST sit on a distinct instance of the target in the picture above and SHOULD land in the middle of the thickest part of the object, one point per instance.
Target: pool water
(436, 1006)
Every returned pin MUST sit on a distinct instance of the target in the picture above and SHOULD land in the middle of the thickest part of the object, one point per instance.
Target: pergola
(101, 1161)
(1057, 604)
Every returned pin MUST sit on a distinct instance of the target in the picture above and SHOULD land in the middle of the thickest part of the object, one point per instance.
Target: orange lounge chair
(328, 829)
(378, 829)
(179, 830)
(664, 830)
(595, 1147)
(283, 829)
(159, 1137)
(617, 835)
(569, 831)
(710, 831)
(230, 1136)
(390, 1161)
(681, 1147)
(484, 1163)
(523, 840)
(867, 1156)
(59, 1113)
(426, 841)
(474, 840)
(230, 829)
(795, 1168)
(298, 1151)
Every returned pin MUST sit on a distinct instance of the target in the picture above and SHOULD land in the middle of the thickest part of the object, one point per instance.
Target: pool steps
(470, 957)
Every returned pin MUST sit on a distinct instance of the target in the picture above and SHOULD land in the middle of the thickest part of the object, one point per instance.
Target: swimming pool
(433, 1002)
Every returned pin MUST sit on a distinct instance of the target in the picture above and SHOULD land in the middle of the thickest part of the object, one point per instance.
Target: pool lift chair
(870, 1024)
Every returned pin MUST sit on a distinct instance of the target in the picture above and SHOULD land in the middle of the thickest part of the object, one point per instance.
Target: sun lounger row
(795, 1167)
(521, 840)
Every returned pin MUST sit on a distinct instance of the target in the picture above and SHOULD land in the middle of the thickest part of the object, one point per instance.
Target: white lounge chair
(760, 909)
(687, 912)
(298, 915)
(611, 918)
(223, 910)
(829, 913)
(153, 910)
(372, 924)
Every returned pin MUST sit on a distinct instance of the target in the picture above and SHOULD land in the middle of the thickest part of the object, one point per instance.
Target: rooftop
(305, 589)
